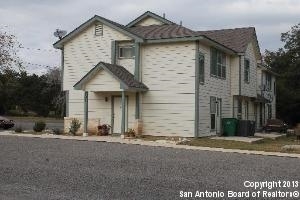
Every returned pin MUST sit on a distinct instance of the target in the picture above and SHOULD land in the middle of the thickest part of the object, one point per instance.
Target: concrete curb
(150, 143)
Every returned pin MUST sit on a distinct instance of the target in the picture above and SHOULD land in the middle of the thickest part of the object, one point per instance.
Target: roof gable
(236, 39)
(91, 21)
(123, 76)
(149, 15)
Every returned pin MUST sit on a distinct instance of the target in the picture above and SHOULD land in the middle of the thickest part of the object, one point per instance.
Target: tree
(286, 62)
(8, 51)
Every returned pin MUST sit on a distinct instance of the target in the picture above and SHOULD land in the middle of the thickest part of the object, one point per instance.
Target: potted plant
(130, 133)
(103, 129)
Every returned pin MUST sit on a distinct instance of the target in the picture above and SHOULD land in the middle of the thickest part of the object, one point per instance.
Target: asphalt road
(32, 168)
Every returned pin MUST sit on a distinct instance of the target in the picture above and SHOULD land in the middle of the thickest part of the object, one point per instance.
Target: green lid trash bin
(229, 126)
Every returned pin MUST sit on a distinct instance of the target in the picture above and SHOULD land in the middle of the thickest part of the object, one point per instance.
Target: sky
(34, 21)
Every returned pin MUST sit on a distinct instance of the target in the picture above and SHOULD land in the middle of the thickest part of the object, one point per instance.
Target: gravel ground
(32, 168)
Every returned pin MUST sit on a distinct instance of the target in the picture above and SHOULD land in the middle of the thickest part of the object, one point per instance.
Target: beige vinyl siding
(259, 80)
(249, 89)
(215, 87)
(149, 21)
(81, 54)
(168, 107)
(84, 51)
(103, 81)
(234, 75)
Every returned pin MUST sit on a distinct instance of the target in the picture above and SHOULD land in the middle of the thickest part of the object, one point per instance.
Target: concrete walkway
(147, 143)
(238, 139)
(273, 136)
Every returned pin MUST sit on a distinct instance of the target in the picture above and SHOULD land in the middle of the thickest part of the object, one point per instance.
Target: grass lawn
(269, 145)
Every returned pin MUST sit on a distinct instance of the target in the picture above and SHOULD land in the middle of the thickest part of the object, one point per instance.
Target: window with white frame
(247, 71)
(126, 51)
(218, 63)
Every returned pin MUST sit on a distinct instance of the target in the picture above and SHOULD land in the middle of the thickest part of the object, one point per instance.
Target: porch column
(85, 120)
(123, 113)
(137, 105)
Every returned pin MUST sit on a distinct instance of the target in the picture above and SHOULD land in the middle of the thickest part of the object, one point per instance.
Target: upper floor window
(98, 29)
(218, 63)
(268, 81)
(201, 68)
(126, 51)
(247, 71)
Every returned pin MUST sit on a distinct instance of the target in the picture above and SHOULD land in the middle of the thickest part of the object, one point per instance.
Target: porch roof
(261, 99)
(122, 75)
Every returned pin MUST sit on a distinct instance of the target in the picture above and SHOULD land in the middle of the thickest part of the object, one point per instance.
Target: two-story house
(162, 78)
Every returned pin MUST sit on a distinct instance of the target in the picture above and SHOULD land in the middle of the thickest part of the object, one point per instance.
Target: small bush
(19, 129)
(74, 126)
(39, 126)
(130, 133)
(57, 131)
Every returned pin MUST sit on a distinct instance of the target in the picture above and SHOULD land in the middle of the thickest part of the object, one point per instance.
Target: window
(98, 29)
(213, 113)
(247, 71)
(268, 81)
(218, 63)
(201, 68)
(126, 51)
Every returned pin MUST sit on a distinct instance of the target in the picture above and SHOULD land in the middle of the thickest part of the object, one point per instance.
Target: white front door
(117, 114)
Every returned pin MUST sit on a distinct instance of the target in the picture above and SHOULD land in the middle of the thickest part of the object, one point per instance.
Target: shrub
(130, 133)
(57, 131)
(19, 129)
(74, 126)
(39, 126)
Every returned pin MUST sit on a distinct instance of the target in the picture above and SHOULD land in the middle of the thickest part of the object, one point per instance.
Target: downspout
(240, 88)
(196, 125)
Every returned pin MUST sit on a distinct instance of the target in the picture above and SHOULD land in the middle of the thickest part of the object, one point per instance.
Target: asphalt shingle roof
(153, 32)
(118, 71)
(236, 39)
(124, 75)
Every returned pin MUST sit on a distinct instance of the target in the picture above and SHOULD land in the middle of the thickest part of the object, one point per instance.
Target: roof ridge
(225, 29)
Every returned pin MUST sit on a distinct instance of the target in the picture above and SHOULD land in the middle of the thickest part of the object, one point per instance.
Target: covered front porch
(112, 95)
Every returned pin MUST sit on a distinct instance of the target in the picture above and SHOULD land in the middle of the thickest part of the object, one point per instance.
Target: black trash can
(243, 128)
(246, 128)
(251, 128)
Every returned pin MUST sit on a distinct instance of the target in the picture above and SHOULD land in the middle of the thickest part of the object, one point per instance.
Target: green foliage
(286, 62)
(26, 94)
(74, 126)
(39, 126)
(8, 51)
